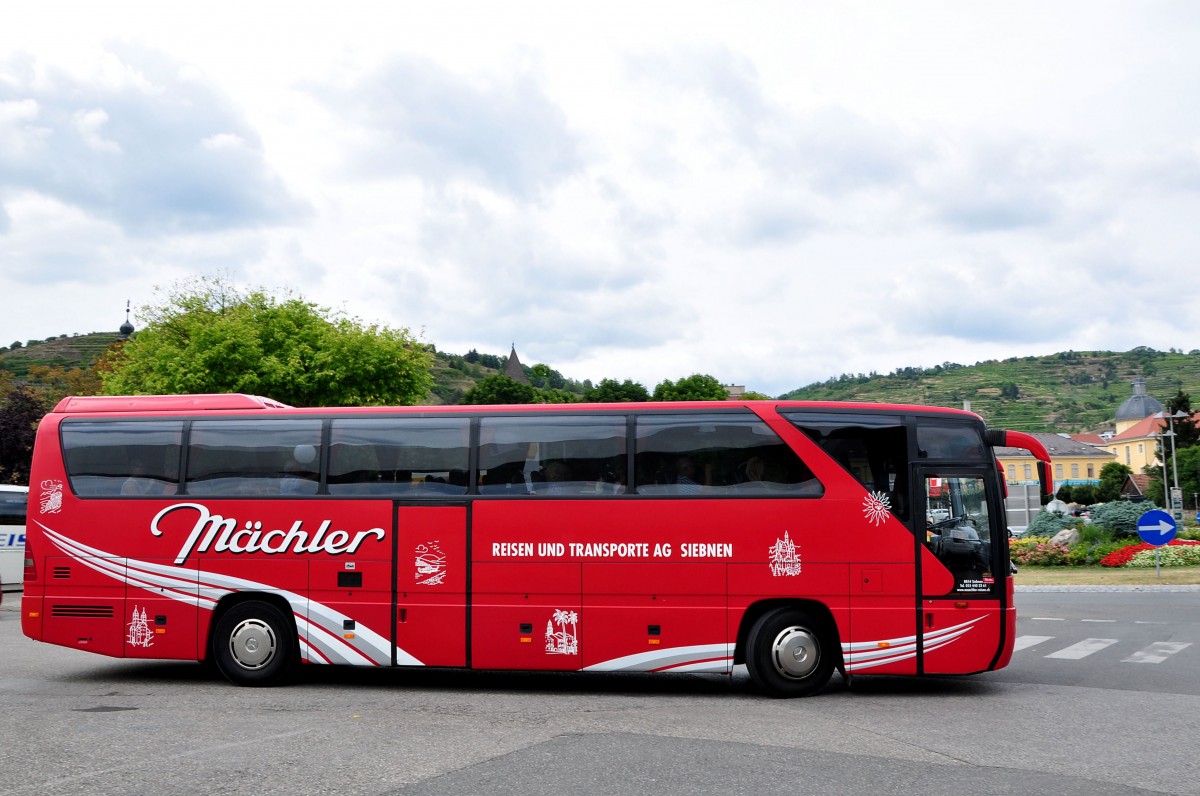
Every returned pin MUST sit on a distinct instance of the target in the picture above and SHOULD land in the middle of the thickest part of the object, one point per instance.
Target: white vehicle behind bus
(12, 535)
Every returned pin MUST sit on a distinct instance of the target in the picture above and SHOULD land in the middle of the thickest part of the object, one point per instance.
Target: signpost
(1156, 527)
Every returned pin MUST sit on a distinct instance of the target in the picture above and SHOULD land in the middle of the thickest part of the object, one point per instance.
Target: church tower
(1136, 407)
(513, 369)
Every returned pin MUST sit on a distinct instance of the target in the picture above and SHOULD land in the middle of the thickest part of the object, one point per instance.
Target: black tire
(789, 653)
(254, 644)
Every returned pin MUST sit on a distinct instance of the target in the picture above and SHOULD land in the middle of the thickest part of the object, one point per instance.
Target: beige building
(1140, 428)
(1072, 463)
(1137, 446)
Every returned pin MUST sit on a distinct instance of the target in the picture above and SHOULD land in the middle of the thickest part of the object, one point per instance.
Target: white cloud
(138, 151)
(773, 198)
(90, 124)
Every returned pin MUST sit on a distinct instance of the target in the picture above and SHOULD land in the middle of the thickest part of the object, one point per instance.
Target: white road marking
(1025, 642)
(1083, 649)
(1157, 652)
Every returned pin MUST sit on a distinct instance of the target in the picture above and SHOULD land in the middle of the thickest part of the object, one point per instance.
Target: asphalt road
(73, 723)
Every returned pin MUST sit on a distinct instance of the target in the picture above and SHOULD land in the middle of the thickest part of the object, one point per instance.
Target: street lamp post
(1166, 485)
(1179, 413)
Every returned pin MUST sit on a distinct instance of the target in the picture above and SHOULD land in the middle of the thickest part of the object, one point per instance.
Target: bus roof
(87, 404)
(135, 404)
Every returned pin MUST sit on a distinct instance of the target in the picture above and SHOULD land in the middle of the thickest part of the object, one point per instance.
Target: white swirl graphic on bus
(51, 497)
(222, 535)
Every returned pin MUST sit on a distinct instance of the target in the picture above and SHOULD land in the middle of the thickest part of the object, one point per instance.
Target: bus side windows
(718, 454)
(873, 449)
(423, 457)
(128, 458)
(958, 442)
(254, 458)
(570, 455)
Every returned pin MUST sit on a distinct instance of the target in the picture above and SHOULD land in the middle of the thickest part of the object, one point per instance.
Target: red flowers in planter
(1119, 558)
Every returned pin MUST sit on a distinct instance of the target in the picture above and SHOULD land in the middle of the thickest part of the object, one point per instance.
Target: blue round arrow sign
(1156, 527)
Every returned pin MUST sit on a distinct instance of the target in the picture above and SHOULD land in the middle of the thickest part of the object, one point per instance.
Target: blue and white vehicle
(13, 500)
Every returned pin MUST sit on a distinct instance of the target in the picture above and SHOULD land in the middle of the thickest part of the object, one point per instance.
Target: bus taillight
(30, 563)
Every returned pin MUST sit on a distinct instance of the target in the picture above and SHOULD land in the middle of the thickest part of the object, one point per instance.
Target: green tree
(1188, 460)
(56, 383)
(555, 395)
(1120, 517)
(610, 391)
(20, 414)
(208, 336)
(1112, 478)
(545, 377)
(1186, 433)
(500, 389)
(1155, 487)
(1084, 494)
(697, 387)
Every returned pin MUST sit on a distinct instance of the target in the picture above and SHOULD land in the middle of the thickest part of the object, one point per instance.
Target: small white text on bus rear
(212, 532)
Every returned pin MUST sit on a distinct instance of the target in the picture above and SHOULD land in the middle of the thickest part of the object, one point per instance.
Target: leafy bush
(1088, 554)
(1048, 523)
(1120, 517)
(1038, 552)
(1018, 547)
(1096, 535)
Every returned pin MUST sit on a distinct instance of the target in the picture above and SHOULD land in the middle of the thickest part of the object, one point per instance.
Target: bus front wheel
(789, 654)
(253, 644)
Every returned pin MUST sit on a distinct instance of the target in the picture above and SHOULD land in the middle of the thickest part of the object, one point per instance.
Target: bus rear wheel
(789, 654)
(253, 644)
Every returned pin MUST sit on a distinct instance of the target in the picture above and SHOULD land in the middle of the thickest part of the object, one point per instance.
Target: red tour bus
(793, 537)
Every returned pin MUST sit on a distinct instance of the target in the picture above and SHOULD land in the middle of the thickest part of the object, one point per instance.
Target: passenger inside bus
(685, 477)
(298, 472)
(140, 482)
(553, 479)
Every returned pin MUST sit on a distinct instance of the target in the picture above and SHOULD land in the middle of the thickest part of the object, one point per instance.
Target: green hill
(453, 374)
(78, 351)
(1072, 391)
(1068, 392)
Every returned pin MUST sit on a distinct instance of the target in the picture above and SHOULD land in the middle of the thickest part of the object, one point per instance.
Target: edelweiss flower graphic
(877, 506)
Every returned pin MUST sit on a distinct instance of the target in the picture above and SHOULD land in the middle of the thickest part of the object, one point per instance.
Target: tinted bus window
(12, 507)
(252, 457)
(873, 449)
(960, 443)
(122, 457)
(402, 456)
(691, 454)
(552, 455)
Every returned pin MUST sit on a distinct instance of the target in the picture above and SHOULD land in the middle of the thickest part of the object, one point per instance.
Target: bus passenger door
(431, 584)
(961, 612)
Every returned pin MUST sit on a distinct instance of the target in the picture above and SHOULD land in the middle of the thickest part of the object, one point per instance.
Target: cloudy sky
(771, 193)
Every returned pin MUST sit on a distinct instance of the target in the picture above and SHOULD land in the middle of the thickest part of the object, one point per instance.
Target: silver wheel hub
(252, 644)
(795, 653)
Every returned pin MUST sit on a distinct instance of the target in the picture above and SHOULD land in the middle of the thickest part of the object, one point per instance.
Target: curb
(1178, 587)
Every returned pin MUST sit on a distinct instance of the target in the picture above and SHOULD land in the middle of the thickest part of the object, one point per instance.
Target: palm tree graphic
(564, 643)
